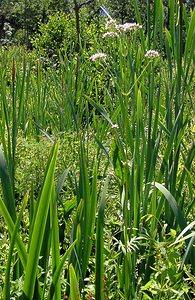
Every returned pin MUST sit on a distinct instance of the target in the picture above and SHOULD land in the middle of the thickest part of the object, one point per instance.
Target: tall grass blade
(6, 291)
(186, 237)
(61, 182)
(180, 220)
(173, 204)
(58, 271)
(99, 256)
(90, 221)
(101, 110)
(39, 228)
(7, 186)
(190, 38)
(18, 241)
(138, 16)
(192, 224)
(189, 253)
(74, 286)
(55, 241)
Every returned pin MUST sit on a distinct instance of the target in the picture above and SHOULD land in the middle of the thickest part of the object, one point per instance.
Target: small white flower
(109, 34)
(111, 23)
(152, 54)
(98, 56)
(115, 126)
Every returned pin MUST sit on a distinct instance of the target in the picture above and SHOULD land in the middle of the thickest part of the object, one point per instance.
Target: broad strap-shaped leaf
(6, 186)
(74, 286)
(190, 253)
(59, 270)
(101, 110)
(10, 224)
(190, 40)
(172, 202)
(99, 259)
(39, 228)
(6, 291)
(191, 225)
(55, 244)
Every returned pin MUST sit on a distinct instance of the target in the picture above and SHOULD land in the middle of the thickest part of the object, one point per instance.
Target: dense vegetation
(97, 150)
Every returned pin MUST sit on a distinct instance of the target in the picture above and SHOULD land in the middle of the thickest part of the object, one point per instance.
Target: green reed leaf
(6, 291)
(74, 286)
(39, 228)
(10, 224)
(99, 257)
(8, 194)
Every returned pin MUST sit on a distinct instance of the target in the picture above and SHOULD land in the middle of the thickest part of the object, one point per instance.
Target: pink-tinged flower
(109, 34)
(152, 54)
(129, 27)
(111, 23)
(98, 56)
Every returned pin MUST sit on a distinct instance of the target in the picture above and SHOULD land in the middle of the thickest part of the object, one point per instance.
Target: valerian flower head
(151, 54)
(111, 23)
(129, 27)
(98, 56)
(109, 34)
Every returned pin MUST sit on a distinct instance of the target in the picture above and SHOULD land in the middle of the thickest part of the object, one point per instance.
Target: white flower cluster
(129, 27)
(116, 30)
(111, 23)
(152, 54)
(109, 34)
(122, 27)
(98, 56)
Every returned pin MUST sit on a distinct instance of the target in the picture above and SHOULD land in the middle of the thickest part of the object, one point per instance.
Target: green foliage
(124, 114)
(74, 287)
(121, 10)
(168, 280)
(59, 34)
(24, 16)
